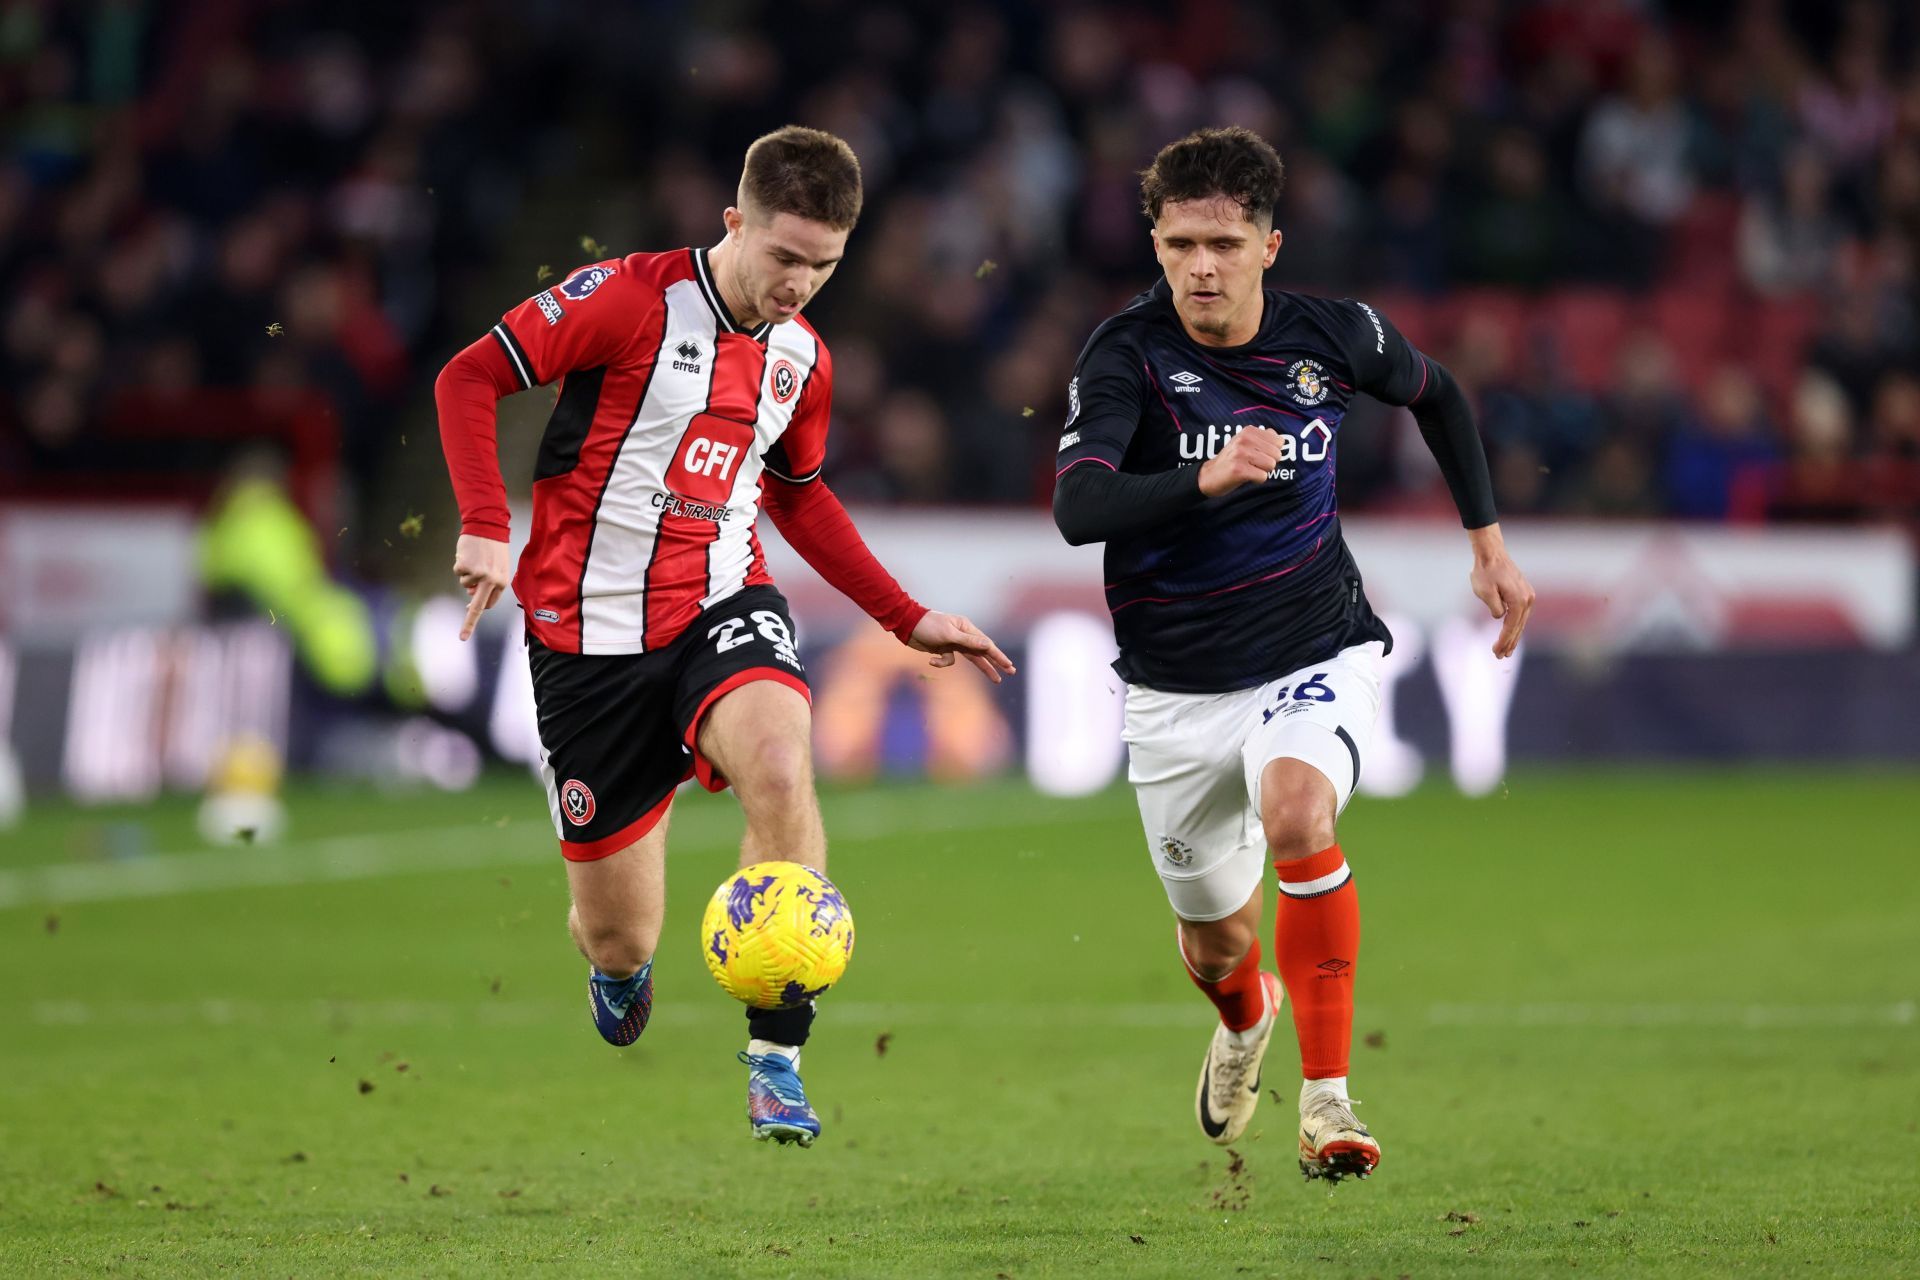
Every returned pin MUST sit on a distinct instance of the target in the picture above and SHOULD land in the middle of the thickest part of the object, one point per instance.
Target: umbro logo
(1334, 968)
(1184, 381)
(689, 353)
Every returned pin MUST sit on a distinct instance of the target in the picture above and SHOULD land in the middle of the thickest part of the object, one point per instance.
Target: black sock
(782, 1026)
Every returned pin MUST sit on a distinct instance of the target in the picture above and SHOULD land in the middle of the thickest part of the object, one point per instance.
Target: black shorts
(619, 731)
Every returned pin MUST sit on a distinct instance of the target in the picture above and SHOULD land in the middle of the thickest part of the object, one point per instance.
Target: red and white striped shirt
(671, 423)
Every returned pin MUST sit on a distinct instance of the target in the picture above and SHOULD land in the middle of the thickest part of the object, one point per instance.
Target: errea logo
(689, 353)
(1184, 381)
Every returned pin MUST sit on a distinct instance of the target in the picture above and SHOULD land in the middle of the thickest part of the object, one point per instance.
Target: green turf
(1618, 1023)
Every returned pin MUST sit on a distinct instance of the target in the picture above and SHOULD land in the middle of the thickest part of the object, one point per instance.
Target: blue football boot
(777, 1102)
(621, 1006)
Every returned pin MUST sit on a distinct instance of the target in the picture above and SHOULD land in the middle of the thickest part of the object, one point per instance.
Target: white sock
(1251, 1036)
(1314, 1090)
(761, 1048)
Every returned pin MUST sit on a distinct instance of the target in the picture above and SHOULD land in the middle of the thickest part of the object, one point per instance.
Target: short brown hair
(806, 172)
(1233, 162)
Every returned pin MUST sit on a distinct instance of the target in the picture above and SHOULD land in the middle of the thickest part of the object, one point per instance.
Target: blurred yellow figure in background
(243, 805)
(258, 543)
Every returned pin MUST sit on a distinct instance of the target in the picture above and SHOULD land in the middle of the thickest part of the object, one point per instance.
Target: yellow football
(776, 934)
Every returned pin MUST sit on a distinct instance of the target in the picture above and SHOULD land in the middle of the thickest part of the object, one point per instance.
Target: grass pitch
(1610, 1022)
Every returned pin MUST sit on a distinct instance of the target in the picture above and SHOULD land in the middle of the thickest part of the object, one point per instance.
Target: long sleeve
(467, 394)
(1094, 503)
(1392, 370)
(811, 518)
(1446, 424)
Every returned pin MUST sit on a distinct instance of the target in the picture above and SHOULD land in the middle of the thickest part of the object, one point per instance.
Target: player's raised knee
(1213, 954)
(1296, 810)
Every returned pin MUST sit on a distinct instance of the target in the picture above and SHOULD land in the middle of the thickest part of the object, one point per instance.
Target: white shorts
(1195, 761)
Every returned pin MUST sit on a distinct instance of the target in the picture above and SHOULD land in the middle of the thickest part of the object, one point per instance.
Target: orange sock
(1317, 938)
(1238, 996)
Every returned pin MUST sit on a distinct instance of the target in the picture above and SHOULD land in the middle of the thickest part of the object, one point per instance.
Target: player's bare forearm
(1500, 585)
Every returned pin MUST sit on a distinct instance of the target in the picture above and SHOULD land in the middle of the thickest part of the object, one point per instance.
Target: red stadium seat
(1702, 248)
(1588, 326)
(1695, 325)
(1415, 317)
(1501, 313)
(1772, 341)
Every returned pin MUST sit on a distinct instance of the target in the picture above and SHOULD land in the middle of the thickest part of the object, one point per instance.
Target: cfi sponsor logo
(1176, 851)
(675, 505)
(580, 285)
(549, 306)
(1184, 381)
(576, 801)
(786, 381)
(1067, 441)
(1308, 382)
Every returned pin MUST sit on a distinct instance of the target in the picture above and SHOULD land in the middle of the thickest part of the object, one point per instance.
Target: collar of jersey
(722, 315)
(1162, 294)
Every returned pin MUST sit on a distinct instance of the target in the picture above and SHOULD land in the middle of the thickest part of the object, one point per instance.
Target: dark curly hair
(1233, 162)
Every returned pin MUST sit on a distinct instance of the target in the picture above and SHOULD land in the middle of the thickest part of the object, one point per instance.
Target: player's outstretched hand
(483, 566)
(948, 635)
(1249, 458)
(1497, 580)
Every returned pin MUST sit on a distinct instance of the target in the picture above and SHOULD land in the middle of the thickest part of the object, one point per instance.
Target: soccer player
(691, 392)
(1200, 443)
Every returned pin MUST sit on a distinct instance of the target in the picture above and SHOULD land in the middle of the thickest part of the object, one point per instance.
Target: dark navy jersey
(1247, 587)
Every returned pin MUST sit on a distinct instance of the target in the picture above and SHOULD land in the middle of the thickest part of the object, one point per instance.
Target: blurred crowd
(1669, 249)
(272, 200)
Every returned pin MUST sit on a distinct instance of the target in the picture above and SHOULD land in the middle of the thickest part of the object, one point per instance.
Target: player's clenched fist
(1249, 458)
(484, 568)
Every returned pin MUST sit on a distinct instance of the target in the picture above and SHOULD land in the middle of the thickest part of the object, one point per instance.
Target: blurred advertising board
(1609, 587)
(1651, 642)
(69, 569)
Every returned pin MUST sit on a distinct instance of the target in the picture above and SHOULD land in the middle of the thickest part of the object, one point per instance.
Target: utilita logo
(1311, 445)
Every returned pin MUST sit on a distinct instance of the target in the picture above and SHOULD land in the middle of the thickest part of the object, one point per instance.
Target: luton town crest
(1307, 381)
